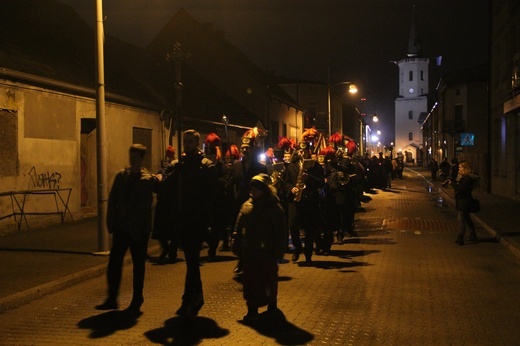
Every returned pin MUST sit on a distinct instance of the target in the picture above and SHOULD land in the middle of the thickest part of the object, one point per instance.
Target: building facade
(457, 124)
(505, 98)
(411, 106)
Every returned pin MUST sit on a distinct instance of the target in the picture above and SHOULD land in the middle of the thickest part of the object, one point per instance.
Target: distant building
(456, 125)
(313, 97)
(411, 106)
(48, 105)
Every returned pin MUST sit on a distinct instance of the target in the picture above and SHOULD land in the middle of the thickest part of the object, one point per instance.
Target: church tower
(411, 107)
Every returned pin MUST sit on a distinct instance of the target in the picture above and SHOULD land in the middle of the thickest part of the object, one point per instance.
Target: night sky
(355, 40)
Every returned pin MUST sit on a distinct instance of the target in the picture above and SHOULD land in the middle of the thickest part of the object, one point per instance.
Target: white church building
(411, 107)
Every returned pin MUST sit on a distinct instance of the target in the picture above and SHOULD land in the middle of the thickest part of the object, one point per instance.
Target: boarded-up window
(49, 117)
(144, 137)
(8, 144)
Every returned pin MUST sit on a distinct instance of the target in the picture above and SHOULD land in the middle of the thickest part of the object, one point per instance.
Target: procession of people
(301, 198)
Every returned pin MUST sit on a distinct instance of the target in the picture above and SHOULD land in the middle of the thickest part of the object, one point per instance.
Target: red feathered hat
(170, 152)
(233, 152)
(329, 153)
(336, 140)
(286, 144)
(213, 145)
(310, 135)
(250, 137)
(351, 147)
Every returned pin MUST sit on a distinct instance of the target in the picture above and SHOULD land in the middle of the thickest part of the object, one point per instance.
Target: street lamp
(351, 89)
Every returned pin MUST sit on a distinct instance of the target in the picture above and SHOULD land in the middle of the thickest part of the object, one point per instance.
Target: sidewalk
(38, 262)
(499, 216)
(42, 261)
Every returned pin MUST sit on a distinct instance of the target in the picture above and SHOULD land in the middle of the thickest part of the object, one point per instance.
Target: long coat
(463, 192)
(130, 203)
(261, 230)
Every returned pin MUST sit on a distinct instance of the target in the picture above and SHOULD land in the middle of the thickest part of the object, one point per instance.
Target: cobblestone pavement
(401, 281)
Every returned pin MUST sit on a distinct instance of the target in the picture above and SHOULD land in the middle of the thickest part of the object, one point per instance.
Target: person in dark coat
(129, 220)
(218, 231)
(194, 185)
(444, 168)
(330, 201)
(243, 171)
(454, 168)
(164, 223)
(261, 237)
(433, 166)
(303, 186)
(463, 186)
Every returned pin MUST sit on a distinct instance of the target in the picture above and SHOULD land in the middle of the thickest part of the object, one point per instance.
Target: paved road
(401, 281)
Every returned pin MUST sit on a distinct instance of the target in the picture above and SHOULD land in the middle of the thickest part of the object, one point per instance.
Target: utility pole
(177, 55)
(101, 134)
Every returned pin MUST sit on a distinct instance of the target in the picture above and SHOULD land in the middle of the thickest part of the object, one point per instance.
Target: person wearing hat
(330, 197)
(129, 220)
(303, 202)
(260, 235)
(219, 225)
(243, 171)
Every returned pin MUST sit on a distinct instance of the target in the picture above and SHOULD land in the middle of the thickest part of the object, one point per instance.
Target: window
(8, 144)
(284, 130)
(310, 118)
(410, 115)
(275, 131)
(410, 76)
(422, 74)
(458, 113)
(410, 136)
(144, 137)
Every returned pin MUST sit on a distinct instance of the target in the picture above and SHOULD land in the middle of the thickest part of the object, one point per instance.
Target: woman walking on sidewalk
(463, 185)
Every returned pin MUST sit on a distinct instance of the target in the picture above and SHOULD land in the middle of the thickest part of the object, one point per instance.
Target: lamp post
(101, 152)
(178, 55)
(351, 89)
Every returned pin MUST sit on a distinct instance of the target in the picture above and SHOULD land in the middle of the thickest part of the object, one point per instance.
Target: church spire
(414, 44)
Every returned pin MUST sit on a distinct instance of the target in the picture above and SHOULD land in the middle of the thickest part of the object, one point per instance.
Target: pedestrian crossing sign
(467, 139)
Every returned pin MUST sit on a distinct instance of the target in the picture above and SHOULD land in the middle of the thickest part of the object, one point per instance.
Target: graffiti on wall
(49, 180)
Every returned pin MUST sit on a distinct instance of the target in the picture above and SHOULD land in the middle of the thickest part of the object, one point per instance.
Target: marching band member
(303, 186)
(345, 190)
(328, 202)
(218, 230)
(243, 171)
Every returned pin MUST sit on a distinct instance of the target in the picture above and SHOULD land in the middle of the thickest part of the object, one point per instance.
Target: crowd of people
(301, 197)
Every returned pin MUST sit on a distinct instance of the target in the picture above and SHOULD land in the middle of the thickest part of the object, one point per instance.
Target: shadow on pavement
(46, 250)
(331, 264)
(352, 253)
(276, 326)
(177, 331)
(110, 322)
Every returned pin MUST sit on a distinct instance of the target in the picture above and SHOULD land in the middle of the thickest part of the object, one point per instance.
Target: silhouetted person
(194, 183)
(463, 185)
(164, 223)
(261, 229)
(129, 220)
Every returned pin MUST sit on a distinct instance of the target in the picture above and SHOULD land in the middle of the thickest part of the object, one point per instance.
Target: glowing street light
(352, 88)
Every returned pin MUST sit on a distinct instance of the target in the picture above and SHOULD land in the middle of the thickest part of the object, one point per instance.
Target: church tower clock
(411, 107)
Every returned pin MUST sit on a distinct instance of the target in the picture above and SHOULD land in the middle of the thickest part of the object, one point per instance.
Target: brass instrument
(344, 178)
(276, 175)
(300, 185)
